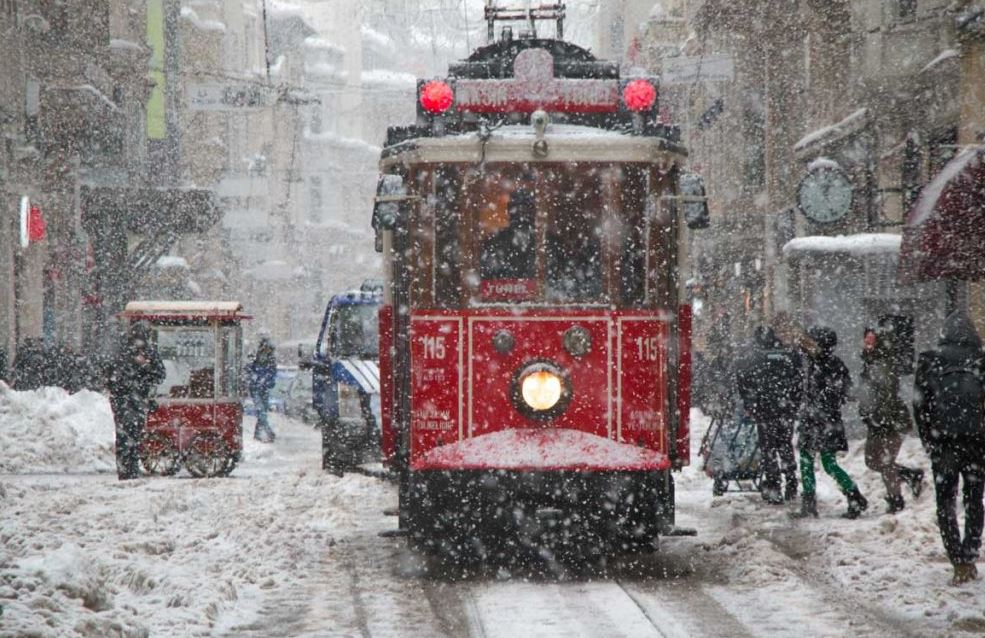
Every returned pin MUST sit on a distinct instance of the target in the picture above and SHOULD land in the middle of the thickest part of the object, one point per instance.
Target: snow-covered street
(282, 549)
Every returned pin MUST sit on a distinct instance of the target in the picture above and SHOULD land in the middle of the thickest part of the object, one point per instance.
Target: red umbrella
(944, 234)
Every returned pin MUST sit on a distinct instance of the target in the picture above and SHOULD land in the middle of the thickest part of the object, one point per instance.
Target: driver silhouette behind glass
(511, 252)
(574, 256)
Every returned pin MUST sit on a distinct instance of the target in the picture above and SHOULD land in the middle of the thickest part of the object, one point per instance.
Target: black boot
(856, 504)
(913, 478)
(790, 493)
(894, 504)
(808, 506)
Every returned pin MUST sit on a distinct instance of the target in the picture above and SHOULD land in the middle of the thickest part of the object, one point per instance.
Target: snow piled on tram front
(52, 431)
(549, 449)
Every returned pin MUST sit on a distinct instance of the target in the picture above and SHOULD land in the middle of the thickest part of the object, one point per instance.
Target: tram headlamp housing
(541, 390)
(577, 341)
(503, 341)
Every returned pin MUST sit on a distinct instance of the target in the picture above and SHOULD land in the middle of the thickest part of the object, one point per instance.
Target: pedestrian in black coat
(769, 379)
(30, 365)
(133, 378)
(822, 430)
(949, 415)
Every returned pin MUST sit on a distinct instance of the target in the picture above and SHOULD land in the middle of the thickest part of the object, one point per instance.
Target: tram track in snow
(578, 609)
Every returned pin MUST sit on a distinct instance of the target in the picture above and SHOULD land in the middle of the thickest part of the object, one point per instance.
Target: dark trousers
(129, 418)
(776, 448)
(964, 460)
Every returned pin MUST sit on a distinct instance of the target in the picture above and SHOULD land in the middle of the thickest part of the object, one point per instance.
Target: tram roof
(515, 143)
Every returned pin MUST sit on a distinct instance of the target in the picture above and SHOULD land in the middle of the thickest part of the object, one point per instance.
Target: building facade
(866, 88)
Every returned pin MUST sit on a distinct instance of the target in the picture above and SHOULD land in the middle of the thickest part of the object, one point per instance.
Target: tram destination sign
(534, 87)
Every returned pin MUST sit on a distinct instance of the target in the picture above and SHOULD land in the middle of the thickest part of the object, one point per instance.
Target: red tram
(535, 343)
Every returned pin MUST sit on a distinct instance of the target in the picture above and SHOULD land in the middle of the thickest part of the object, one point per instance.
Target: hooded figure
(949, 413)
(769, 378)
(263, 376)
(822, 430)
(134, 375)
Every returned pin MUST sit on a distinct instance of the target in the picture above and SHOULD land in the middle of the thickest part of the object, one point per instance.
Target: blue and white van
(346, 378)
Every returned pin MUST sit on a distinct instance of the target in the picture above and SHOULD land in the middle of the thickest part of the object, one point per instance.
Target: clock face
(825, 195)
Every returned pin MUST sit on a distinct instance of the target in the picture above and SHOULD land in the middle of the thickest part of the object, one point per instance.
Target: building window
(316, 202)
(316, 121)
(940, 150)
(754, 133)
(906, 10)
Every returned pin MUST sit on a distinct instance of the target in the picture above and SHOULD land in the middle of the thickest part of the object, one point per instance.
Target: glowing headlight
(541, 390)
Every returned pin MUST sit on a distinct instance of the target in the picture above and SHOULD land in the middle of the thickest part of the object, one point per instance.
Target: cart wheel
(159, 454)
(207, 455)
(227, 468)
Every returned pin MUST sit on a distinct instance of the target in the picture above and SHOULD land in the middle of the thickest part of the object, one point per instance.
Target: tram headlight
(541, 390)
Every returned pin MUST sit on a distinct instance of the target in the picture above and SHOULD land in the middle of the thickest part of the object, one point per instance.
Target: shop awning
(149, 210)
(944, 235)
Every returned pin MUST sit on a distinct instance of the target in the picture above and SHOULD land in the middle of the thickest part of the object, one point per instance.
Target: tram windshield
(553, 233)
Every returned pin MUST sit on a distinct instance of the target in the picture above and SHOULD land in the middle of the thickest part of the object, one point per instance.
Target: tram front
(535, 348)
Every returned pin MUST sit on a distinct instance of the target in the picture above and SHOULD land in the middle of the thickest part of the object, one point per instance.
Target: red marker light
(639, 95)
(436, 96)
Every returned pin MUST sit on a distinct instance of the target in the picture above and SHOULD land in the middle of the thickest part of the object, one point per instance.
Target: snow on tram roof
(184, 307)
(514, 142)
(562, 130)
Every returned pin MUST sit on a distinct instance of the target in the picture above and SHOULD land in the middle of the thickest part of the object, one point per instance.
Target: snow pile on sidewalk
(49, 430)
(883, 570)
(90, 556)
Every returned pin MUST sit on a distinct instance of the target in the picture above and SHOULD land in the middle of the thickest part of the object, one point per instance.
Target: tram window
(447, 245)
(632, 254)
(538, 233)
(574, 254)
(511, 251)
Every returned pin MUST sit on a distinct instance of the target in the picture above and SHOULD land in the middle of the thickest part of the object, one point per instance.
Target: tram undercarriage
(492, 515)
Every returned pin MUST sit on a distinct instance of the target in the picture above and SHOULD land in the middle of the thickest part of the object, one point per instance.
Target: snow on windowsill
(834, 131)
(823, 163)
(172, 261)
(204, 25)
(384, 77)
(118, 44)
(857, 245)
(946, 54)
